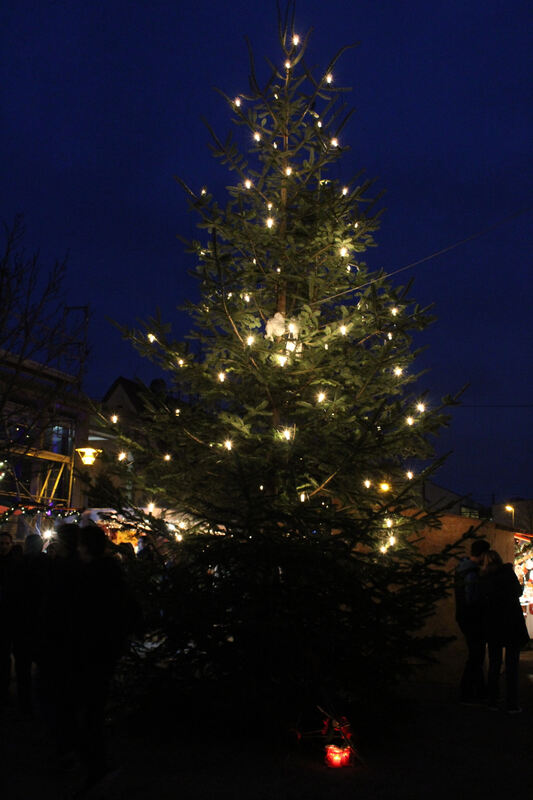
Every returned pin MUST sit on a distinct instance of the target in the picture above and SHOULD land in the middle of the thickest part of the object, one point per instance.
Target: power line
(471, 238)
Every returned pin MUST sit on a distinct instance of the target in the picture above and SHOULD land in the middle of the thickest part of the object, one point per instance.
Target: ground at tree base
(436, 749)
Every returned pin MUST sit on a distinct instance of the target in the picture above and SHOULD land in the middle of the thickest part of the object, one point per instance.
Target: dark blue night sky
(101, 106)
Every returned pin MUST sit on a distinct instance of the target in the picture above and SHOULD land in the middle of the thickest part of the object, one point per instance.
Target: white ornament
(275, 326)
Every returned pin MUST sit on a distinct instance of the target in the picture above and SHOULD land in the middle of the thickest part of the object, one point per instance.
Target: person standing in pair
(504, 626)
(469, 618)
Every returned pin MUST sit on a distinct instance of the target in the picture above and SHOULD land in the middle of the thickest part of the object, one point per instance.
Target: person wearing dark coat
(10, 586)
(468, 616)
(504, 627)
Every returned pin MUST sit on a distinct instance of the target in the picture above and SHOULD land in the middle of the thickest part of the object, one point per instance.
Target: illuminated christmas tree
(291, 439)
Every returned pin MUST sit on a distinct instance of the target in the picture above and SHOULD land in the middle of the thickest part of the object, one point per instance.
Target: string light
(287, 64)
(122, 456)
(151, 338)
(410, 421)
(288, 171)
(392, 540)
(257, 136)
(246, 298)
(248, 183)
(343, 330)
(329, 77)
(302, 497)
(296, 40)
(345, 191)
(237, 102)
(388, 523)
(319, 124)
(181, 362)
(270, 222)
(394, 311)
(384, 487)
(334, 142)
(409, 475)
(290, 346)
(383, 548)
(250, 340)
(228, 444)
(151, 508)
(269, 207)
(177, 412)
(282, 360)
(114, 418)
(367, 484)
(398, 371)
(420, 407)
(222, 377)
(343, 252)
(287, 434)
(389, 336)
(275, 144)
(167, 457)
(321, 396)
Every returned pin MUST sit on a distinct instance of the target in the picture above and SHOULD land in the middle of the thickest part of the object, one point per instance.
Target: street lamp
(510, 510)
(88, 455)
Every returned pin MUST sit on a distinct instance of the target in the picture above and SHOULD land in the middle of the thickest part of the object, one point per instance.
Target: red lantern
(338, 756)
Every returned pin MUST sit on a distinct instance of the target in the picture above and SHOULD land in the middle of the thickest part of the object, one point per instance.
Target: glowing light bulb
(383, 548)
(394, 311)
(321, 396)
(392, 540)
(269, 206)
(288, 171)
(343, 252)
(302, 497)
(356, 224)
(343, 330)
(367, 484)
(237, 102)
(222, 377)
(278, 269)
(114, 418)
(122, 456)
(410, 421)
(287, 64)
(409, 475)
(296, 40)
(248, 183)
(257, 136)
(389, 336)
(282, 360)
(345, 191)
(334, 142)
(246, 298)
(290, 346)
(179, 537)
(151, 507)
(287, 434)
(177, 412)
(388, 523)
(250, 340)
(319, 124)
(261, 488)
(275, 144)
(167, 457)
(228, 444)
(384, 487)
(292, 328)
(151, 337)
(269, 222)
(398, 371)
(420, 407)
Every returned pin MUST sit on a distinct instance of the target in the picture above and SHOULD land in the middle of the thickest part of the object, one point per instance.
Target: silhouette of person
(468, 615)
(104, 613)
(504, 627)
(26, 640)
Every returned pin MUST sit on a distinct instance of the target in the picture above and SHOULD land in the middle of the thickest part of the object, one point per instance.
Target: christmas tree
(292, 443)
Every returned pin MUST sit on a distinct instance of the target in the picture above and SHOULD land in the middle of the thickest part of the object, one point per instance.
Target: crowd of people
(489, 613)
(64, 617)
